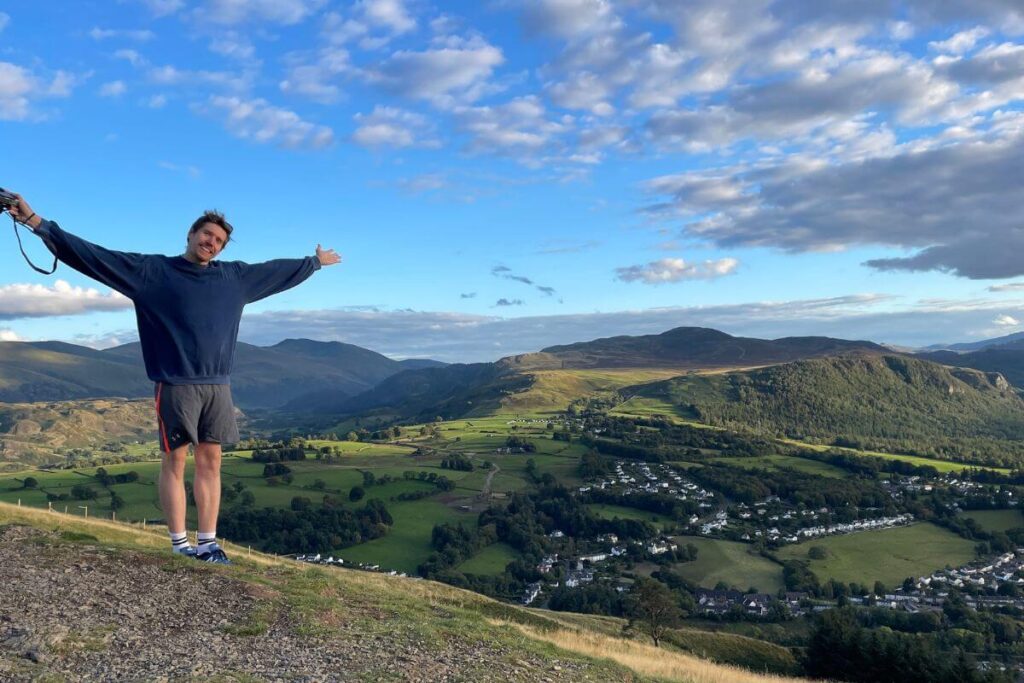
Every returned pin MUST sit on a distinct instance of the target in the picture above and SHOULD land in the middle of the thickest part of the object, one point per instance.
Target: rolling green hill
(699, 347)
(877, 402)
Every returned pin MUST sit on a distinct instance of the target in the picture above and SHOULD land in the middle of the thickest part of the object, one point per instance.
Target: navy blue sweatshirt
(188, 314)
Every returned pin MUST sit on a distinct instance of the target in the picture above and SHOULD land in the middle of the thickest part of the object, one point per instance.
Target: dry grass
(647, 660)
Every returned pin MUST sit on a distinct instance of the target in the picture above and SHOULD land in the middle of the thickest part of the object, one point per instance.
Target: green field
(996, 520)
(730, 562)
(784, 462)
(408, 542)
(886, 555)
(622, 512)
(492, 560)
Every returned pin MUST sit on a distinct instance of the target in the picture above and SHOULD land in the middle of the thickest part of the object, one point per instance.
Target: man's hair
(215, 217)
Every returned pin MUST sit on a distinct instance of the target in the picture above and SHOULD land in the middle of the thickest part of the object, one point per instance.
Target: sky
(504, 175)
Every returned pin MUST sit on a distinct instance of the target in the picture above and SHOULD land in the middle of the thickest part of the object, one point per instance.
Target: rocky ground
(72, 610)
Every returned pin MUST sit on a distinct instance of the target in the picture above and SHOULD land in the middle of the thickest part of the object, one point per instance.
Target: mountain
(553, 377)
(1006, 359)
(698, 347)
(1015, 338)
(263, 377)
(894, 403)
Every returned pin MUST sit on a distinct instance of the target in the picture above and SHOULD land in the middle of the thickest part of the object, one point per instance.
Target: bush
(356, 493)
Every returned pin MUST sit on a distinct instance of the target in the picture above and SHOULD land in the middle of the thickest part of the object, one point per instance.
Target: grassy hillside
(872, 402)
(32, 433)
(371, 622)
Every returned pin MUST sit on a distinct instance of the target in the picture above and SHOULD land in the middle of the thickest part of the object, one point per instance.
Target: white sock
(179, 541)
(207, 540)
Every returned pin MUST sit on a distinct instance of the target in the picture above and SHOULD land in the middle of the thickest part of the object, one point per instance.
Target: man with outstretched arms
(188, 309)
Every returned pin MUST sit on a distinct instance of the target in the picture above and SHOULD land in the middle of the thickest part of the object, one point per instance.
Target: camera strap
(27, 259)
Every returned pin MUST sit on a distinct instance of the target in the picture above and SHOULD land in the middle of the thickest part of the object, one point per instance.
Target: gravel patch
(79, 611)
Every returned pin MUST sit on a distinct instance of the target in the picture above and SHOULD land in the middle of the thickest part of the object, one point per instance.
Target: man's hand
(24, 214)
(328, 257)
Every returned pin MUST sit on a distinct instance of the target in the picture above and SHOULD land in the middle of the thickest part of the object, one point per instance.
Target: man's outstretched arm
(270, 277)
(118, 270)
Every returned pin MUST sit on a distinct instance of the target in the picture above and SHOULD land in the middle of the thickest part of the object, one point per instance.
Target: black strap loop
(27, 259)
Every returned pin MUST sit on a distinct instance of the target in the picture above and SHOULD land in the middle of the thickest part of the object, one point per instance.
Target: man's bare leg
(171, 486)
(207, 490)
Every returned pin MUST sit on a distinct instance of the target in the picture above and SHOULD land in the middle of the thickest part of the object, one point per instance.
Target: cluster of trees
(799, 488)
(841, 648)
(281, 454)
(307, 529)
(524, 445)
(106, 479)
(457, 462)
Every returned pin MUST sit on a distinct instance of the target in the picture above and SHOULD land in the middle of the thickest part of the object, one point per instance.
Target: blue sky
(506, 175)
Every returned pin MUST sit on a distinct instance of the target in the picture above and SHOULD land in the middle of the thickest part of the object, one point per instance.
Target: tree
(655, 607)
(30, 483)
(116, 501)
(301, 503)
(356, 493)
(817, 553)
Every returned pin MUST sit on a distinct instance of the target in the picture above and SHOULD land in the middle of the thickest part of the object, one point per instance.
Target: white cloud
(569, 18)
(584, 91)
(9, 336)
(390, 14)
(317, 80)
(113, 89)
(274, 12)
(234, 45)
(170, 75)
(668, 270)
(960, 42)
(259, 121)
(1006, 321)
(520, 128)
(156, 101)
(131, 56)
(392, 127)
(163, 8)
(1009, 287)
(5, 19)
(457, 71)
(139, 35)
(37, 301)
(190, 171)
(19, 87)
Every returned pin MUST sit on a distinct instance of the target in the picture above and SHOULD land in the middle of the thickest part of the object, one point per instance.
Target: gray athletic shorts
(194, 413)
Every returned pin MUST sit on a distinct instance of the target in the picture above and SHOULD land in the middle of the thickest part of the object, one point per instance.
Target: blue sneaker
(187, 552)
(212, 553)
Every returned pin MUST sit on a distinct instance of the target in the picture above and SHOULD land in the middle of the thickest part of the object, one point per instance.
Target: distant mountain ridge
(1016, 339)
(263, 377)
(700, 347)
(465, 390)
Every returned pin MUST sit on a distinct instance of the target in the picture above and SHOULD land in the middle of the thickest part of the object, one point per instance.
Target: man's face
(205, 243)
